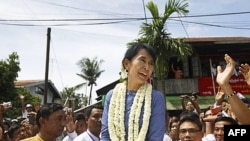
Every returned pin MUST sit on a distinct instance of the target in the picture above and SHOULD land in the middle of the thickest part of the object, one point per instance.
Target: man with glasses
(190, 127)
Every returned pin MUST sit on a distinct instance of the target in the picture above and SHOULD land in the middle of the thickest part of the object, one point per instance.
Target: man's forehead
(188, 124)
(58, 113)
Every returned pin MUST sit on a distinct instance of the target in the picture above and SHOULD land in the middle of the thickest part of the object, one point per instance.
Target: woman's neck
(132, 85)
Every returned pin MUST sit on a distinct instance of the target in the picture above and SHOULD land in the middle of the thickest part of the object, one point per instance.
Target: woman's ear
(125, 63)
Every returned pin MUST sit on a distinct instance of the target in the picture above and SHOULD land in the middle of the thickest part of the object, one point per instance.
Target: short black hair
(14, 127)
(227, 119)
(46, 110)
(79, 116)
(89, 110)
(188, 113)
(191, 117)
(195, 94)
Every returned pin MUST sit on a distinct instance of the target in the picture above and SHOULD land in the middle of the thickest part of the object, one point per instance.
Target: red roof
(25, 82)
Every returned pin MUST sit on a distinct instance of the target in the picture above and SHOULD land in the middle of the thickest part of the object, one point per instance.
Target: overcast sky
(24, 25)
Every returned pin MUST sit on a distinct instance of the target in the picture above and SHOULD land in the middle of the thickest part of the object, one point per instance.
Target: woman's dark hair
(173, 120)
(133, 50)
(46, 110)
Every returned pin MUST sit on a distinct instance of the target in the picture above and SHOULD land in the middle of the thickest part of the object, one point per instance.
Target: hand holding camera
(184, 97)
(7, 105)
(31, 118)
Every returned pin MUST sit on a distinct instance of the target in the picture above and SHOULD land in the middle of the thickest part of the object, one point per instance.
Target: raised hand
(219, 96)
(224, 76)
(70, 125)
(245, 71)
(21, 96)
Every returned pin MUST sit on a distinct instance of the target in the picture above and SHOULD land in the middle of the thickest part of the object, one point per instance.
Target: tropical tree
(9, 69)
(156, 35)
(90, 71)
(70, 92)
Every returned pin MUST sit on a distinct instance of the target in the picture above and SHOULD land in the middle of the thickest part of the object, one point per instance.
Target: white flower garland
(117, 109)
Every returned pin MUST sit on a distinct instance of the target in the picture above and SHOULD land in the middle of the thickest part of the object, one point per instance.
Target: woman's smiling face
(140, 67)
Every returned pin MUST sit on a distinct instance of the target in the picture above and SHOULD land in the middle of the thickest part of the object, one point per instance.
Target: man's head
(219, 126)
(93, 119)
(51, 120)
(80, 123)
(190, 127)
(190, 106)
(14, 132)
(214, 65)
(29, 107)
(194, 96)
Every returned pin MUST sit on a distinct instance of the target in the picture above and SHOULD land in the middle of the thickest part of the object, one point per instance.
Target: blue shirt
(156, 127)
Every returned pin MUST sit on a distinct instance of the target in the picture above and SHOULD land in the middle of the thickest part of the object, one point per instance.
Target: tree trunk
(90, 93)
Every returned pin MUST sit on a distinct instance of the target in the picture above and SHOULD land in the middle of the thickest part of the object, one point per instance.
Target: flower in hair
(123, 74)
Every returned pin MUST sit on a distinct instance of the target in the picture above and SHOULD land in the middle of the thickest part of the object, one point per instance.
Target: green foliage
(16, 109)
(9, 69)
(156, 35)
(70, 92)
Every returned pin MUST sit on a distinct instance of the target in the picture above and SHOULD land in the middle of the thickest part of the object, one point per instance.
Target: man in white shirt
(93, 119)
(214, 70)
(76, 127)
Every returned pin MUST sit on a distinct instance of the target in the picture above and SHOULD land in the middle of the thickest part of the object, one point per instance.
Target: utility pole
(47, 66)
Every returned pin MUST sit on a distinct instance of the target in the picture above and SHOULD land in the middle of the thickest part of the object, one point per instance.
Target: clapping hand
(245, 71)
(223, 77)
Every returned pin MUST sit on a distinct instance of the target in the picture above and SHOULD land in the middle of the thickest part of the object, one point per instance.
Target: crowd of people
(134, 111)
(208, 125)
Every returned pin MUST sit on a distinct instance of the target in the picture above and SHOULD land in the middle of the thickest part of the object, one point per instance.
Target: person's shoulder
(65, 138)
(208, 137)
(81, 136)
(109, 94)
(157, 96)
(157, 93)
(34, 138)
(166, 138)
